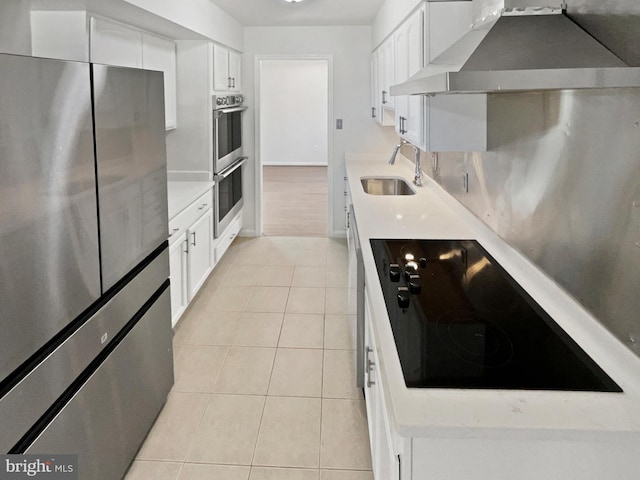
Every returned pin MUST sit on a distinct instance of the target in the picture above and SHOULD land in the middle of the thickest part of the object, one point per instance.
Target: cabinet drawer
(183, 220)
(227, 237)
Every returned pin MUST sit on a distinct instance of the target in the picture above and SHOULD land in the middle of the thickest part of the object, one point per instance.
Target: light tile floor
(264, 372)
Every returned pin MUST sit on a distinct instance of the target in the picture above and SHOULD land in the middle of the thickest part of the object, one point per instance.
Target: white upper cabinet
(382, 77)
(59, 34)
(424, 35)
(375, 106)
(112, 43)
(226, 70)
(235, 71)
(160, 54)
(409, 59)
(387, 74)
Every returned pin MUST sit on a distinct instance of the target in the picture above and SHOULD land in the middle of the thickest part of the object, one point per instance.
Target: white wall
(350, 47)
(390, 15)
(293, 112)
(201, 16)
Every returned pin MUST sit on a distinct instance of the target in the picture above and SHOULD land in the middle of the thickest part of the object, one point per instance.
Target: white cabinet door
(178, 278)
(226, 70)
(409, 59)
(115, 44)
(60, 34)
(235, 69)
(446, 23)
(200, 237)
(160, 54)
(221, 78)
(387, 75)
(383, 457)
(375, 106)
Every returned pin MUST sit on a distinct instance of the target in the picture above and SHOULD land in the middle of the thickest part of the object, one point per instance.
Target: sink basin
(386, 186)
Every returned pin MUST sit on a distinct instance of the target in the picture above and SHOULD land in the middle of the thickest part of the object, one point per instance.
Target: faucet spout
(418, 172)
(392, 160)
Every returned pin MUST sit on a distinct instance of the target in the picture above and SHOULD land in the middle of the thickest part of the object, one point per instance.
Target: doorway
(293, 145)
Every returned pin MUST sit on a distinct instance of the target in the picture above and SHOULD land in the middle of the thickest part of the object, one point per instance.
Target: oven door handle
(222, 111)
(230, 169)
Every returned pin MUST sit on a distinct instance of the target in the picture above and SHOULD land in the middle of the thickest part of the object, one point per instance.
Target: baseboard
(295, 164)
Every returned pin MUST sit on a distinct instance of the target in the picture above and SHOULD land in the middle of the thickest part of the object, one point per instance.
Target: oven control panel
(227, 101)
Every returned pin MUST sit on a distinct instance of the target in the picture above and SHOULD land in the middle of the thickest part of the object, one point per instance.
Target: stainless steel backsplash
(561, 183)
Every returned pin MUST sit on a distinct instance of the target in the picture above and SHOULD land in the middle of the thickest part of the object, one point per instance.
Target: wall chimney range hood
(521, 45)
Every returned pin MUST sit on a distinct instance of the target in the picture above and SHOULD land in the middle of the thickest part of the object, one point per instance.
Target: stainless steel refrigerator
(85, 330)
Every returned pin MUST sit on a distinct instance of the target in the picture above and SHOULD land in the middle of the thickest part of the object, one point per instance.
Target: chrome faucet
(418, 178)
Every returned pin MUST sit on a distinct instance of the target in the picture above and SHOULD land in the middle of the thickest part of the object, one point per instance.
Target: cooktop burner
(460, 321)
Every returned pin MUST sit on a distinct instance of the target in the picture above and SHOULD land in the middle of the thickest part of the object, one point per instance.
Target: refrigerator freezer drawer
(28, 400)
(106, 421)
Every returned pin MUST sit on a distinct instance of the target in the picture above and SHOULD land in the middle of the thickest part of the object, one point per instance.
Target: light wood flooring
(294, 201)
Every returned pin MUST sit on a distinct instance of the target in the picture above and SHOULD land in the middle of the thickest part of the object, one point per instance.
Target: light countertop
(431, 214)
(182, 194)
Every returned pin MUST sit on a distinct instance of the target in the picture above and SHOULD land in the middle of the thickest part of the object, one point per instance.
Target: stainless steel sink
(386, 186)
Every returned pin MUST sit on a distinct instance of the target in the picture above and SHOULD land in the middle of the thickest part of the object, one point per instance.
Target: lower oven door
(228, 196)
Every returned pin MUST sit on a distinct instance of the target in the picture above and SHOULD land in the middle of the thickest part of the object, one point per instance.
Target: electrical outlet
(465, 182)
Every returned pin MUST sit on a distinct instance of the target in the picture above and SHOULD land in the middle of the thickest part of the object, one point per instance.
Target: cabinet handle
(186, 245)
(403, 130)
(369, 367)
(233, 79)
(228, 82)
(373, 112)
(399, 468)
(173, 231)
(194, 238)
(384, 97)
(201, 207)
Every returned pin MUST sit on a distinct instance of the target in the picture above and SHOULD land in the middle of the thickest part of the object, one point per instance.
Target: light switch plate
(338, 124)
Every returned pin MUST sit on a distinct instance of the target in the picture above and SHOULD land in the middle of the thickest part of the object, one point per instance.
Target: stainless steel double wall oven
(227, 159)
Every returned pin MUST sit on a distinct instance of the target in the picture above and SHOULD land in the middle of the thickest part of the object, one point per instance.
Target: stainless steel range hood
(517, 46)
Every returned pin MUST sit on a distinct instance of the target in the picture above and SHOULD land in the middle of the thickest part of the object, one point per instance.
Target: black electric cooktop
(460, 321)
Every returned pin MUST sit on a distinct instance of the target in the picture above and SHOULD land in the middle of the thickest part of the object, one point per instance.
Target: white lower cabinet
(190, 252)
(178, 277)
(199, 252)
(385, 455)
(223, 242)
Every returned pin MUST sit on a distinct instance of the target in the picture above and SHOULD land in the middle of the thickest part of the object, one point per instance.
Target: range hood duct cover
(522, 50)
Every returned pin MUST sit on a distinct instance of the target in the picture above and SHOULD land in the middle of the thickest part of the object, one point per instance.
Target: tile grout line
(264, 405)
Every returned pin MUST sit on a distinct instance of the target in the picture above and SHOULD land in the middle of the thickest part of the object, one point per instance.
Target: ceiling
(305, 13)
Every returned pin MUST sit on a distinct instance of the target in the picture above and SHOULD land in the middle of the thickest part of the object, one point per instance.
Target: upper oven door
(227, 137)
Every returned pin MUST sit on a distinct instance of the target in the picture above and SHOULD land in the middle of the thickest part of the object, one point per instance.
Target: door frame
(258, 163)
